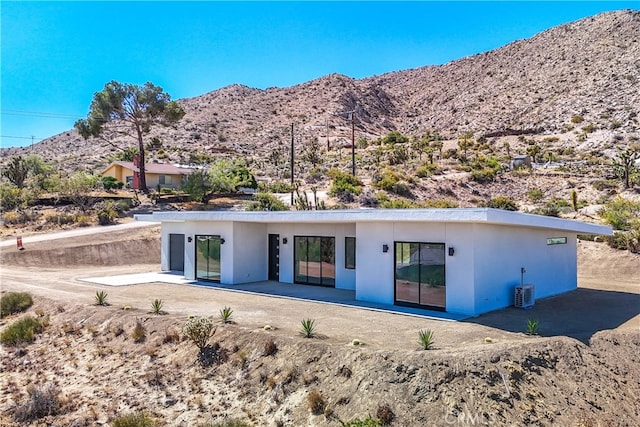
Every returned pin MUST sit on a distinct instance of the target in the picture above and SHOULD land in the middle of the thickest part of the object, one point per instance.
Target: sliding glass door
(420, 274)
(208, 258)
(315, 260)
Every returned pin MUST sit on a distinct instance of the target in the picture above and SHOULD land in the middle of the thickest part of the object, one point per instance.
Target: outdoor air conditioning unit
(525, 296)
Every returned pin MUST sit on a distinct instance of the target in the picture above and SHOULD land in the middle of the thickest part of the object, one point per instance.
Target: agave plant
(156, 306)
(426, 339)
(225, 315)
(101, 298)
(308, 329)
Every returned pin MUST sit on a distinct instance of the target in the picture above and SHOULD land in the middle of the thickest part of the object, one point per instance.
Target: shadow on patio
(578, 314)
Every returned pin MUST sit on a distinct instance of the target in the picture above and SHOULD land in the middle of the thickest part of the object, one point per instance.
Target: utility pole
(32, 138)
(292, 154)
(353, 142)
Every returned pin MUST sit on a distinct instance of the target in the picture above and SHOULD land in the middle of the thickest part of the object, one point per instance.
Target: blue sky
(55, 55)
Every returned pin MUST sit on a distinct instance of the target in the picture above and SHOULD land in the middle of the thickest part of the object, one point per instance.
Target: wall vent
(525, 296)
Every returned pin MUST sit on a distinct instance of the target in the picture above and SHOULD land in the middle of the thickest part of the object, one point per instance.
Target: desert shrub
(266, 202)
(577, 119)
(61, 219)
(139, 333)
(398, 204)
(276, 187)
(502, 202)
(233, 422)
(22, 331)
(343, 183)
(384, 414)
(605, 185)
(20, 217)
(621, 214)
(426, 338)
(364, 422)
(198, 330)
(590, 128)
(15, 302)
(535, 194)
(483, 175)
(427, 170)
(270, 348)
(391, 181)
(440, 204)
(41, 402)
(111, 183)
(107, 214)
(134, 419)
(315, 402)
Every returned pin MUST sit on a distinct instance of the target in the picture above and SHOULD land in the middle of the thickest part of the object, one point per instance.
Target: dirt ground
(482, 371)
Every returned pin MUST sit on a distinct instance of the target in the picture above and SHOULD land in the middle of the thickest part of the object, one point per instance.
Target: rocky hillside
(579, 82)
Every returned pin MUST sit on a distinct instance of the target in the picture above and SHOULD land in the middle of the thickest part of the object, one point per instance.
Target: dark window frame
(347, 255)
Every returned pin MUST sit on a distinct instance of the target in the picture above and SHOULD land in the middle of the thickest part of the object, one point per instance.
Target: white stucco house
(464, 261)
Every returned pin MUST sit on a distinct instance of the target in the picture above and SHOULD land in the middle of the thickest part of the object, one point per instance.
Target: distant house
(519, 161)
(157, 174)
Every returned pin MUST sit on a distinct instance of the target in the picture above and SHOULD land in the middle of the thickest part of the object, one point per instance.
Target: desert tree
(130, 108)
(16, 171)
(534, 151)
(465, 142)
(625, 164)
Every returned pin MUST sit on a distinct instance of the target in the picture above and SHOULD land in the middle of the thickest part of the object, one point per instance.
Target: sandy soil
(482, 370)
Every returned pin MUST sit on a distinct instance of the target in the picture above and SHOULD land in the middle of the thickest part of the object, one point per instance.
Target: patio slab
(319, 294)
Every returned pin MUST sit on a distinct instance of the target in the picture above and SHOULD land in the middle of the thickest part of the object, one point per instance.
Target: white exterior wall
(375, 279)
(250, 248)
(502, 250)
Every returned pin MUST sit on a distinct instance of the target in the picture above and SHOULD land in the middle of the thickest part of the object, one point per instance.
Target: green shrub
(277, 187)
(343, 183)
(199, 330)
(535, 194)
(42, 401)
(483, 175)
(427, 170)
(111, 183)
(266, 202)
(502, 202)
(621, 214)
(440, 204)
(22, 331)
(134, 419)
(14, 302)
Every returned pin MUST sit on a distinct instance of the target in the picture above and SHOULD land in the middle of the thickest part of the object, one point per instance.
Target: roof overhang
(462, 215)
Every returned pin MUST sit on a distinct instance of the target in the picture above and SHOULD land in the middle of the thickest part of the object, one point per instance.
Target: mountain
(579, 82)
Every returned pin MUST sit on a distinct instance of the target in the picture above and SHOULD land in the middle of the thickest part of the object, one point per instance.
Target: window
(420, 274)
(164, 180)
(350, 253)
(557, 241)
(314, 260)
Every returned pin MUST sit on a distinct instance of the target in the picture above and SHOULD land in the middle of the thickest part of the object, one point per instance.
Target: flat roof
(458, 215)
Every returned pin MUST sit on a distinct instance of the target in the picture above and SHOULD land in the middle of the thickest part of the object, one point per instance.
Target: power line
(37, 114)
(21, 137)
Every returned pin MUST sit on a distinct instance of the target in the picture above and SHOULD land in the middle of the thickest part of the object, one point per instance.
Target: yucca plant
(308, 329)
(532, 327)
(225, 315)
(426, 339)
(156, 306)
(101, 298)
